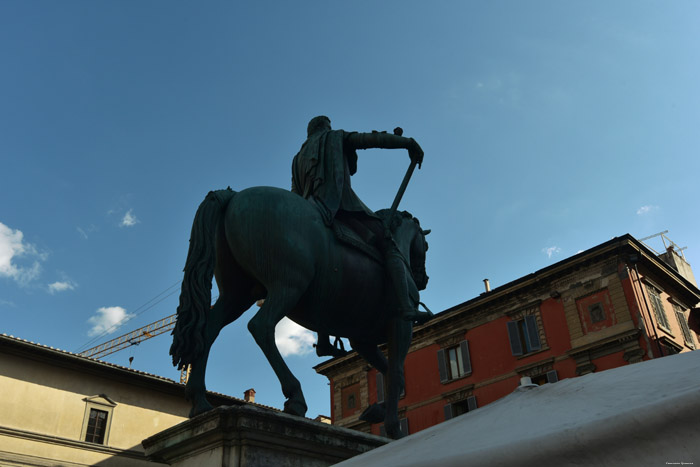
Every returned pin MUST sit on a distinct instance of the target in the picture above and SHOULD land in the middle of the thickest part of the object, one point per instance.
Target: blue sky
(548, 128)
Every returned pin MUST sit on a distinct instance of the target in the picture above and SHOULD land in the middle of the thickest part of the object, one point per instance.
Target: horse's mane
(384, 214)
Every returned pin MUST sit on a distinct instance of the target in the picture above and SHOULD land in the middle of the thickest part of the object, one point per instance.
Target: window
(97, 419)
(658, 307)
(454, 362)
(524, 336)
(460, 407)
(350, 399)
(97, 427)
(544, 378)
(683, 323)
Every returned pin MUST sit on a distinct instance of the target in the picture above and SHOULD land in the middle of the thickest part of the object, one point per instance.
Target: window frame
(101, 403)
(461, 351)
(549, 377)
(657, 305)
(524, 329)
(449, 409)
(683, 324)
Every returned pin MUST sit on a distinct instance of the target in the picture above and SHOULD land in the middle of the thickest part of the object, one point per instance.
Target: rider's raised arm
(385, 141)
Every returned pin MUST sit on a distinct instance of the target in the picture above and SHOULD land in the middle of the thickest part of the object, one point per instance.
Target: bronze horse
(269, 243)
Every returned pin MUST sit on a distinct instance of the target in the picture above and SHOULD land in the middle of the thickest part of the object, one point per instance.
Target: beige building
(61, 409)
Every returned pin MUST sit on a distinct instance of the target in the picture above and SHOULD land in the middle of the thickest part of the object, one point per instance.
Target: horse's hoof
(395, 432)
(375, 413)
(295, 408)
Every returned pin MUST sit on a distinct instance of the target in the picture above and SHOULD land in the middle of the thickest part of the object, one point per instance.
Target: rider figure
(321, 173)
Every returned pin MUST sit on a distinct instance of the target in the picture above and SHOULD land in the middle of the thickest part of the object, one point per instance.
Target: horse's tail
(195, 296)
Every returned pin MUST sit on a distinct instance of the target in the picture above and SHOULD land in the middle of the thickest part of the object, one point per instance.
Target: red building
(615, 304)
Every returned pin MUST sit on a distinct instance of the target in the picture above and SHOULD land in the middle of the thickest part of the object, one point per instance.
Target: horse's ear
(426, 232)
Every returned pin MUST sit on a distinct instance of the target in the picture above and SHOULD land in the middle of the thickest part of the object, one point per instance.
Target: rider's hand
(415, 152)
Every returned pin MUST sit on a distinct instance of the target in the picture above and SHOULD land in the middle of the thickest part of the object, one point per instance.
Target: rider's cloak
(321, 171)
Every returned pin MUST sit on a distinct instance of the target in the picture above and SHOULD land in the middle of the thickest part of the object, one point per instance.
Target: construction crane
(135, 337)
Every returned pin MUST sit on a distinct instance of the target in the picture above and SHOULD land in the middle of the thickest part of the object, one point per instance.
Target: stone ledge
(250, 436)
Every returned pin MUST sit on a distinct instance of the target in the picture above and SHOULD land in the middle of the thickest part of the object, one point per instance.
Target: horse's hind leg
(277, 304)
(234, 299)
(221, 314)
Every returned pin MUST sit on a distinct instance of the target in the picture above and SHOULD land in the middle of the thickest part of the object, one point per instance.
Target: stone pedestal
(244, 436)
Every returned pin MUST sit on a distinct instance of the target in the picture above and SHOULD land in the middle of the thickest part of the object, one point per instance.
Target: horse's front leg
(262, 327)
(399, 342)
(375, 413)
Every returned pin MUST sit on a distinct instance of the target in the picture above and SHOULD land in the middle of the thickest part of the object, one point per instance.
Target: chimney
(487, 285)
(249, 395)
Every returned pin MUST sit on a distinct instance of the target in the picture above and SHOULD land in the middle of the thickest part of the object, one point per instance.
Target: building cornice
(56, 357)
(57, 440)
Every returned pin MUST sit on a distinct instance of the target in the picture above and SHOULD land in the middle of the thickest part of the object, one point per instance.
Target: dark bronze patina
(317, 255)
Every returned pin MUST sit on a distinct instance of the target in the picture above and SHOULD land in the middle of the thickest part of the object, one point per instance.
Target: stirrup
(417, 316)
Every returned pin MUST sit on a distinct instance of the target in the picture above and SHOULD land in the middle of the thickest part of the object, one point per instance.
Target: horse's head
(411, 241)
(419, 247)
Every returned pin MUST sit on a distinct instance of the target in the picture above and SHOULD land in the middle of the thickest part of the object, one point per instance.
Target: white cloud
(12, 247)
(61, 286)
(85, 232)
(129, 219)
(108, 319)
(646, 209)
(292, 339)
(549, 251)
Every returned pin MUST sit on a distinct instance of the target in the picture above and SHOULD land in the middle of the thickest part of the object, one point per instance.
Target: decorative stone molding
(523, 311)
(633, 355)
(584, 369)
(537, 368)
(459, 394)
(451, 339)
(349, 380)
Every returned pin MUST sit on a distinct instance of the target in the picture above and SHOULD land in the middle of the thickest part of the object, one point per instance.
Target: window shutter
(380, 387)
(533, 334)
(403, 423)
(442, 367)
(464, 347)
(514, 337)
(552, 376)
(471, 403)
(448, 411)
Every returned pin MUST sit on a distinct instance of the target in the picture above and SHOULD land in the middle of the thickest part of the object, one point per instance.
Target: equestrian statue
(315, 254)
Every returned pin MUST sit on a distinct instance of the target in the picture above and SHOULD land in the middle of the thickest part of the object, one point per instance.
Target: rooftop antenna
(668, 244)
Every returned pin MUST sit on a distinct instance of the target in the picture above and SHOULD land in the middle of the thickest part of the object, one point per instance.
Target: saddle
(349, 237)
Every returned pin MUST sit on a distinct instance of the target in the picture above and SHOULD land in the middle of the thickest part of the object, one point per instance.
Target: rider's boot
(324, 348)
(396, 270)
